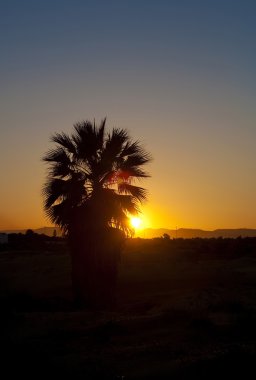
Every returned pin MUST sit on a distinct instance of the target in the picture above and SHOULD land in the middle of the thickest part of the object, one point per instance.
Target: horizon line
(141, 229)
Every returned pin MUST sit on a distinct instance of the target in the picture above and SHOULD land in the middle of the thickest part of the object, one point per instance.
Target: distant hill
(149, 233)
(187, 233)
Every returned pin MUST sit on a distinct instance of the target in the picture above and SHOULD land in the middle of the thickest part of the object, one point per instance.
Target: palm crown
(92, 177)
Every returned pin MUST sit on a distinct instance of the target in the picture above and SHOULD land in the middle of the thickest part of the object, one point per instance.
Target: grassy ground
(181, 312)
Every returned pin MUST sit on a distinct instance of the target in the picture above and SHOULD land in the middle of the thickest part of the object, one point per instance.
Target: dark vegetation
(185, 309)
(31, 241)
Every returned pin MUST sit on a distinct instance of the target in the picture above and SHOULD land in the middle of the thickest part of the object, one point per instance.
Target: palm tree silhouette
(90, 192)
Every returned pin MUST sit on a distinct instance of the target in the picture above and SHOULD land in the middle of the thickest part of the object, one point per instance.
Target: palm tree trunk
(94, 269)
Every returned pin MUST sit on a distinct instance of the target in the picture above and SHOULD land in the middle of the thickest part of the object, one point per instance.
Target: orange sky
(193, 184)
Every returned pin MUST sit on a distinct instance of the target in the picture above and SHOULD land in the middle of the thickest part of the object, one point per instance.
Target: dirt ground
(180, 312)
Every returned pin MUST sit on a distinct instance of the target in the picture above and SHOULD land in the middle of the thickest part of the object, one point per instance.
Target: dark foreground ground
(186, 309)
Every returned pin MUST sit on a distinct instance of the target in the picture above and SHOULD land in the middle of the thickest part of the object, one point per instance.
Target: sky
(179, 75)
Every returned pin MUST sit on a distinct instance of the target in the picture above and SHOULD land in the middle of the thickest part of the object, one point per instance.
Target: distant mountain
(187, 233)
(149, 233)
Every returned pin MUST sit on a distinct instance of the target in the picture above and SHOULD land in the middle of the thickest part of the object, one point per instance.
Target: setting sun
(135, 222)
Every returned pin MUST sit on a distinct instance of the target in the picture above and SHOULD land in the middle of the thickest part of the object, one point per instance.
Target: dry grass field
(184, 308)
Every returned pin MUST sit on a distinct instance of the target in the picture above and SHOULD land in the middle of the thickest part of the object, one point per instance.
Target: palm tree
(90, 192)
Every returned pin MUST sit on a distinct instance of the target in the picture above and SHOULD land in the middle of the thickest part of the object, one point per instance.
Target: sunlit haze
(178, 75)
(136, 222)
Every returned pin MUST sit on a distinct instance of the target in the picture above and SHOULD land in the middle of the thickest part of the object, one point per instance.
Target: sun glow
(135, 222)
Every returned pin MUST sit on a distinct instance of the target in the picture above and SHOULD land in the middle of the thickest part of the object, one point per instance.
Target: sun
(135, 222)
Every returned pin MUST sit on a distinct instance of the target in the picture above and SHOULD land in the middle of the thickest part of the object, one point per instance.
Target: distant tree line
(33, 241)
(194, 249)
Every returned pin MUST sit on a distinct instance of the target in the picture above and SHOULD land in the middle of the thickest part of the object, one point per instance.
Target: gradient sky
(178, 74)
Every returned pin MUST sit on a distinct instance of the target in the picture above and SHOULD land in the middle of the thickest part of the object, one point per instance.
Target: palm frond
(65, 141)
(57, 155)
(119, 208)
(121, 222)
(134, 171)
(139, 193)
(52, 191)
(57, 189)
(88, 140)
(128, 203)
(60, 170)
(114, 144)
(131, 148)
(100, 133)
(133, 163)
(60, 215)
(137, 159)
